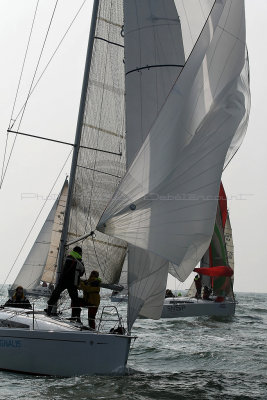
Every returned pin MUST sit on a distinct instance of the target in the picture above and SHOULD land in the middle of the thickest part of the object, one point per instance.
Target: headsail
(154, 58)
(164, 203)
(176, 174)
(40, 263)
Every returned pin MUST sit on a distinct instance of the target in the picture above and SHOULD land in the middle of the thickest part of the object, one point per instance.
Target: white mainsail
(40, 263)
(101, 154)
(166, 203)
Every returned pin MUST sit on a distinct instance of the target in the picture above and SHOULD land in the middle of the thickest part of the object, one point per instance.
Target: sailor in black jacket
(18, 299)
(69, 279)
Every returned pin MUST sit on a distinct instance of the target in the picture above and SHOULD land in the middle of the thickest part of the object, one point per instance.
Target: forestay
(167, 201)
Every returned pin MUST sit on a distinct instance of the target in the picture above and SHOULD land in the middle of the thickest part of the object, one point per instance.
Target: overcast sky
(52, 112)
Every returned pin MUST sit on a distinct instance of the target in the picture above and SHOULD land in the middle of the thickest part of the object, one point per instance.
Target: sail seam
(109, 88)
(109, 22)
(103, 130)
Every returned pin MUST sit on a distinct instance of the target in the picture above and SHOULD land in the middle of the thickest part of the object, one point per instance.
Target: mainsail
(166, 202)
(101, 154)
(41, 261)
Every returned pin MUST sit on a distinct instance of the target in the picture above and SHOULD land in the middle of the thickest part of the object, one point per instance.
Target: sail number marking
(176, 308)
(10, 343)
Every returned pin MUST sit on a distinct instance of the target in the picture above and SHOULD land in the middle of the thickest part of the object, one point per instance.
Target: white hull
(190, 307)
(53, 347)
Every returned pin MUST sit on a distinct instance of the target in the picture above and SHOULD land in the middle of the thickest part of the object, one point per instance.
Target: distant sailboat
(184, 106)
(41, 262)
(216, 296)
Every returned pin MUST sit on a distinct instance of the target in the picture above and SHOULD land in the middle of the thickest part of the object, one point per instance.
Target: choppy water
(190, 358)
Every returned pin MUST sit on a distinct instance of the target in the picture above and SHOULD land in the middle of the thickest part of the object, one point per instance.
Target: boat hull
(62, 351)
(178, 308)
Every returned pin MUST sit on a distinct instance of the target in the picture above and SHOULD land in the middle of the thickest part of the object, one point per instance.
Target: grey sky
(52, 112)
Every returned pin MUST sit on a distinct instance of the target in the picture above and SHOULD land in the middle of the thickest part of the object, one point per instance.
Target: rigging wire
(52, 56)
(28, 96)
(32, 88)
(17, 91)
(38, 215)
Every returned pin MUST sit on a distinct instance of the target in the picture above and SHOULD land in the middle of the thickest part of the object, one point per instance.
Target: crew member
(18, 299)
(69, 279)
(91, 296)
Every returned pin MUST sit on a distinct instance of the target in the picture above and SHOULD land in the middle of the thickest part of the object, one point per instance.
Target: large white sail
(101, 157)
(154, 58)
(40, 263)
(166, 203)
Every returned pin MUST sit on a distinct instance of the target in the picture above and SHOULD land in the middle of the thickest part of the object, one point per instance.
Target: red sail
(223, 204)
(215, 271)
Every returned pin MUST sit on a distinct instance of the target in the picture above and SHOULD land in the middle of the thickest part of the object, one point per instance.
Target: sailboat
(40, 265)
(174, 76)
(215, 275)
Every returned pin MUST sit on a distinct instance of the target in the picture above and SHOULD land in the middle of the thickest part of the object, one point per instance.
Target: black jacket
(18, 303)
(72, 271)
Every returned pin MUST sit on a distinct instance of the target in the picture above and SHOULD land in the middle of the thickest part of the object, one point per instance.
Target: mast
(78, 134)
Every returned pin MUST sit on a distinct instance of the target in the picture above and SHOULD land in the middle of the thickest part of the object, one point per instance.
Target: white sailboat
(215, 296)
(31, 342)
(185, 107)
(41, 262)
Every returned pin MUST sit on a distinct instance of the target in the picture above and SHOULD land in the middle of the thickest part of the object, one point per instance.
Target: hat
(78, 250)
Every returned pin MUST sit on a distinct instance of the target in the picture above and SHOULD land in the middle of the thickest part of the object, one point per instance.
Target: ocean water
(189, 358)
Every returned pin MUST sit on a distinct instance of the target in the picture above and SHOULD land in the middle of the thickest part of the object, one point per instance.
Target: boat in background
(215, 295)
(37, 275)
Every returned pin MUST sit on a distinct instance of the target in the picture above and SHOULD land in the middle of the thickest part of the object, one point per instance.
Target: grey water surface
(188, 358)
